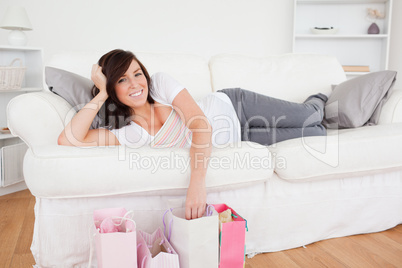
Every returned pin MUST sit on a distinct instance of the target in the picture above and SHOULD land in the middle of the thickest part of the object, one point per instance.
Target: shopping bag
(155, 251)
(232, 239)
(115, 238)
(196, 241)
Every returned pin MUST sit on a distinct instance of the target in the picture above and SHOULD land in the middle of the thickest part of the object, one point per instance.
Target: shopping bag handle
(127, 217)
(170, 225)
(143, 261)
(91, 250)
(209, 210)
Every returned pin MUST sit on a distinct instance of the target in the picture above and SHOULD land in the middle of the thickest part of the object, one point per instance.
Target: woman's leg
(267, 120)
(268, 136)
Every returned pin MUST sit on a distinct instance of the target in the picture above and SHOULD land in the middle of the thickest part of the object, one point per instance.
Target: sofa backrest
(190, 70)
(291, 77)
(39, 118)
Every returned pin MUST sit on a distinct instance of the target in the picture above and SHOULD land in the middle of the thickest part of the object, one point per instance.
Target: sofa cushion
(64, 171)
(346, 152)
(75, 89)
(358, 101)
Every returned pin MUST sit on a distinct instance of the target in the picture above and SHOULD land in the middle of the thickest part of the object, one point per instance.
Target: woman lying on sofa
(160, 112)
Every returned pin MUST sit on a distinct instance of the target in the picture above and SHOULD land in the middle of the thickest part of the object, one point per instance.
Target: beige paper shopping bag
(196, 241)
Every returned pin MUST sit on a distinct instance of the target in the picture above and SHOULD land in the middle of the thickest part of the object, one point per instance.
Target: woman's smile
(137, 93)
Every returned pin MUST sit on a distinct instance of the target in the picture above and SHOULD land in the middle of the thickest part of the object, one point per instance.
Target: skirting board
(13, 188)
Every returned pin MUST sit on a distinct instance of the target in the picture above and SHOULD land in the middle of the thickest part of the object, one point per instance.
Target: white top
(217, 107)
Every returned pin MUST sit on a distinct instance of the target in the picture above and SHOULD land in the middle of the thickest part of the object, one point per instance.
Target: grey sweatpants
(268, 120)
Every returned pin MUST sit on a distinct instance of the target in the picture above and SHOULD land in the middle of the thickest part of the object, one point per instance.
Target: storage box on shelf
(349, 42)
(12, 149)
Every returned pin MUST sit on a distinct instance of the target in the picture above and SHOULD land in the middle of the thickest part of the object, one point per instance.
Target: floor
(383, 249)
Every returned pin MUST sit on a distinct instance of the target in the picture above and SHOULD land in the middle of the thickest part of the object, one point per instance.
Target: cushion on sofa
(358, 101)
(64, 171)
(75, 89)
(347, 152)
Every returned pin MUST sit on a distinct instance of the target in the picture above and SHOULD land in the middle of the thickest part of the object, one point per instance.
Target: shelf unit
(12, 149)
(351, 44)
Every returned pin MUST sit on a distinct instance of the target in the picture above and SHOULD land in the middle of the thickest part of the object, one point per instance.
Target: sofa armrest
(63, 172)
(391, 111)
(38, 118)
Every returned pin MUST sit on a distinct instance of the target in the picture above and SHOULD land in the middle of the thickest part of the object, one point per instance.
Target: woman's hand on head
(98, 78)
(195, 200)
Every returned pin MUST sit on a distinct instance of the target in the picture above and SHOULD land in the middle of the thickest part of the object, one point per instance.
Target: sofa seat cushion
(65, 171)
(346, 152)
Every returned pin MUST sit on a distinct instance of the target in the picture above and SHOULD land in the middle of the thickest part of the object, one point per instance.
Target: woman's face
(132, 87)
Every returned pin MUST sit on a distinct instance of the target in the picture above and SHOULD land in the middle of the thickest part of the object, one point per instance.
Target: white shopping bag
(196, 241)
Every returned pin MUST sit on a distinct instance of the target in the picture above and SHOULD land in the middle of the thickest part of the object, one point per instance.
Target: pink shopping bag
(155, 251)
(232, 240)
(115, 238)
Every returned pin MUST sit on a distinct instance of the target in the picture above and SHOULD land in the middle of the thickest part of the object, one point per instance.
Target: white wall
(206, 28)
(395, 54)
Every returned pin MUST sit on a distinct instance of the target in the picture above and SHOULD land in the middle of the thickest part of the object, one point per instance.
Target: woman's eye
(121, 80)
(138, 74)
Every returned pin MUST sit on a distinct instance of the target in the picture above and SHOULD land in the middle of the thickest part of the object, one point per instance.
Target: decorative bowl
(324, 30)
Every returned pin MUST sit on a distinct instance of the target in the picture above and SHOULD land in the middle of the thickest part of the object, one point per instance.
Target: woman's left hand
(196, 199)
(98, 78)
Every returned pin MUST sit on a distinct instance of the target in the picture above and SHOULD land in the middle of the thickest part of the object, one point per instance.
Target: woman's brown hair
(114, 114)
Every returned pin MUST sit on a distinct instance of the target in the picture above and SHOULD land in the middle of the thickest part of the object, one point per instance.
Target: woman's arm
(77, 132)
(200, 152)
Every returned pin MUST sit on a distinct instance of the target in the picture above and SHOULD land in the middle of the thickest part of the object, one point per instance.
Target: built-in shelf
(351, 44)
(335, 36)
(6, 136)
(355, 73)
(32, 60)
(19, 48)
(341, 1)
(24, 89)
(12, 148)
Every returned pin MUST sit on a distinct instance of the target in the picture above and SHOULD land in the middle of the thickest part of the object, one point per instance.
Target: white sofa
(292, 193)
